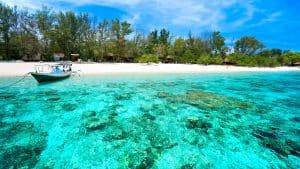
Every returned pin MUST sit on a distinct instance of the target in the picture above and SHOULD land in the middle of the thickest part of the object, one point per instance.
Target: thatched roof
(226, 60)
(170, 57)
(75, 54)
(110, 54)
(296, 63)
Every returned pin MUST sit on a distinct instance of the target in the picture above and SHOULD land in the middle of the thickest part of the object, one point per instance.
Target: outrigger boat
(47, 72)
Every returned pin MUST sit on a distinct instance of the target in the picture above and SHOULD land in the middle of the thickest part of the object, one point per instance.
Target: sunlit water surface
(238, 120)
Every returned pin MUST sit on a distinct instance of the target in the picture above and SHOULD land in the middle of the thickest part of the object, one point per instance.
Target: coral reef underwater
(178, 121)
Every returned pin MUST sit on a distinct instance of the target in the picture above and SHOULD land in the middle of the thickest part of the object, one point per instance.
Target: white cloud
(195, 15)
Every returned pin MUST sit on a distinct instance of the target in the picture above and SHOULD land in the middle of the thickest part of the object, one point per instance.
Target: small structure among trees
(58, 56)
(75, 56)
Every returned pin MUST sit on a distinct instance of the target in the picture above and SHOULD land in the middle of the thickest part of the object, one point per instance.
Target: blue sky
(274, 22)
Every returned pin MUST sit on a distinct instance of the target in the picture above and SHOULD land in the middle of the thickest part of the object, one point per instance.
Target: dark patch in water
(296, 119)
(20, 156)
(116, 134)
(142, 159)
(69, 106)
(264, 134)
(162, 94)
(148, 116)
(187, 166)
(9, 130)
(25, 155)
(124, 96)
(146, 163)
(281, 146)
(53, 99)
(161, 142)
(194, 122)
(92, 122)
(7, 96)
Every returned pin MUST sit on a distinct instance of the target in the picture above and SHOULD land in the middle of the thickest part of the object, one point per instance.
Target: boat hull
(46, 77)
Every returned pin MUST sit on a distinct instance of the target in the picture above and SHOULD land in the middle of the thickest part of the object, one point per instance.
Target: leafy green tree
(45, 22)
(120, 31)
(104, 34)
(148, 58)
(217, 43)
(8, 18)
(276, 52)
(26, 35)
(248, 46)
(178, 47)
(164, 37)
(188, 57)
(135, 47)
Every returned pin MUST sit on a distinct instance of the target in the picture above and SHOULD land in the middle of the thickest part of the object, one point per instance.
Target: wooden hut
(75, 56)
(169, 59)
(109, 57)
(227, 62)
(296, 64)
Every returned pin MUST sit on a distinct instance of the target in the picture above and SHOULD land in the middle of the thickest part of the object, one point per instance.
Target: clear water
(238, 120)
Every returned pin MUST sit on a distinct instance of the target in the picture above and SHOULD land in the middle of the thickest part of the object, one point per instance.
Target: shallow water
(238, 120)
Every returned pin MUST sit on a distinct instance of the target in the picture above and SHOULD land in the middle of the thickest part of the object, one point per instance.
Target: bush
(204, 59)
(147, 58)
(188, 57)
(254, 61)
(209, 60)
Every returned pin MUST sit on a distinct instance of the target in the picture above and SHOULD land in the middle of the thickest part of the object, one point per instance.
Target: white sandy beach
(21, 68)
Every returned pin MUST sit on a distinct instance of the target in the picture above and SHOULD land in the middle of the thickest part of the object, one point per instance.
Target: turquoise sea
(174, 121)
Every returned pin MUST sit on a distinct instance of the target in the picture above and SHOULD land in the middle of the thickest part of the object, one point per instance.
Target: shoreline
(9, 69)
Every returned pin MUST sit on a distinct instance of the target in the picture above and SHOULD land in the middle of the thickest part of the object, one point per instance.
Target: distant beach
(19, 69)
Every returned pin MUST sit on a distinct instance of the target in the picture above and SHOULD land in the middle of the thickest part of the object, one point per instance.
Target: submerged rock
(162, 94)
(296, 119)
(279, 146)
(146, 163)
(92, 122)
(143, 159)
(263, 134)
(25, 155)
(206, 100)
(9, 130)
(20, 157)
(69, 106)
(116, 134)
(295, 147)
(161, 142)
(194, 122)
(124, 96)
(187, 166)
(89, 114)
(7, 96)
(53, 99)
(96, 124)
(148, 116)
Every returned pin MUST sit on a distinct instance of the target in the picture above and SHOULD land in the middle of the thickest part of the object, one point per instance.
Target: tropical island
(38, 35)
(105, 94)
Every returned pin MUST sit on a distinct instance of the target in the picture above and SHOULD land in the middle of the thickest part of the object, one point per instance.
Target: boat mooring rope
(18, 81)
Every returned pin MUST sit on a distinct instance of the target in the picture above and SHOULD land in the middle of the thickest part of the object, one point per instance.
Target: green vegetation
(148, 58)
(38, 35)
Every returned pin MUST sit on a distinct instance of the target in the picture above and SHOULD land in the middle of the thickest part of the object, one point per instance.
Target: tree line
(44, 32)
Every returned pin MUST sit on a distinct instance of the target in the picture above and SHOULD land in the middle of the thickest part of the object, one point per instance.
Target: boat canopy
(55, 68)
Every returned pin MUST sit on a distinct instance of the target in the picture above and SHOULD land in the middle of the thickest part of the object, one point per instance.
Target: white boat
(47, 72)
